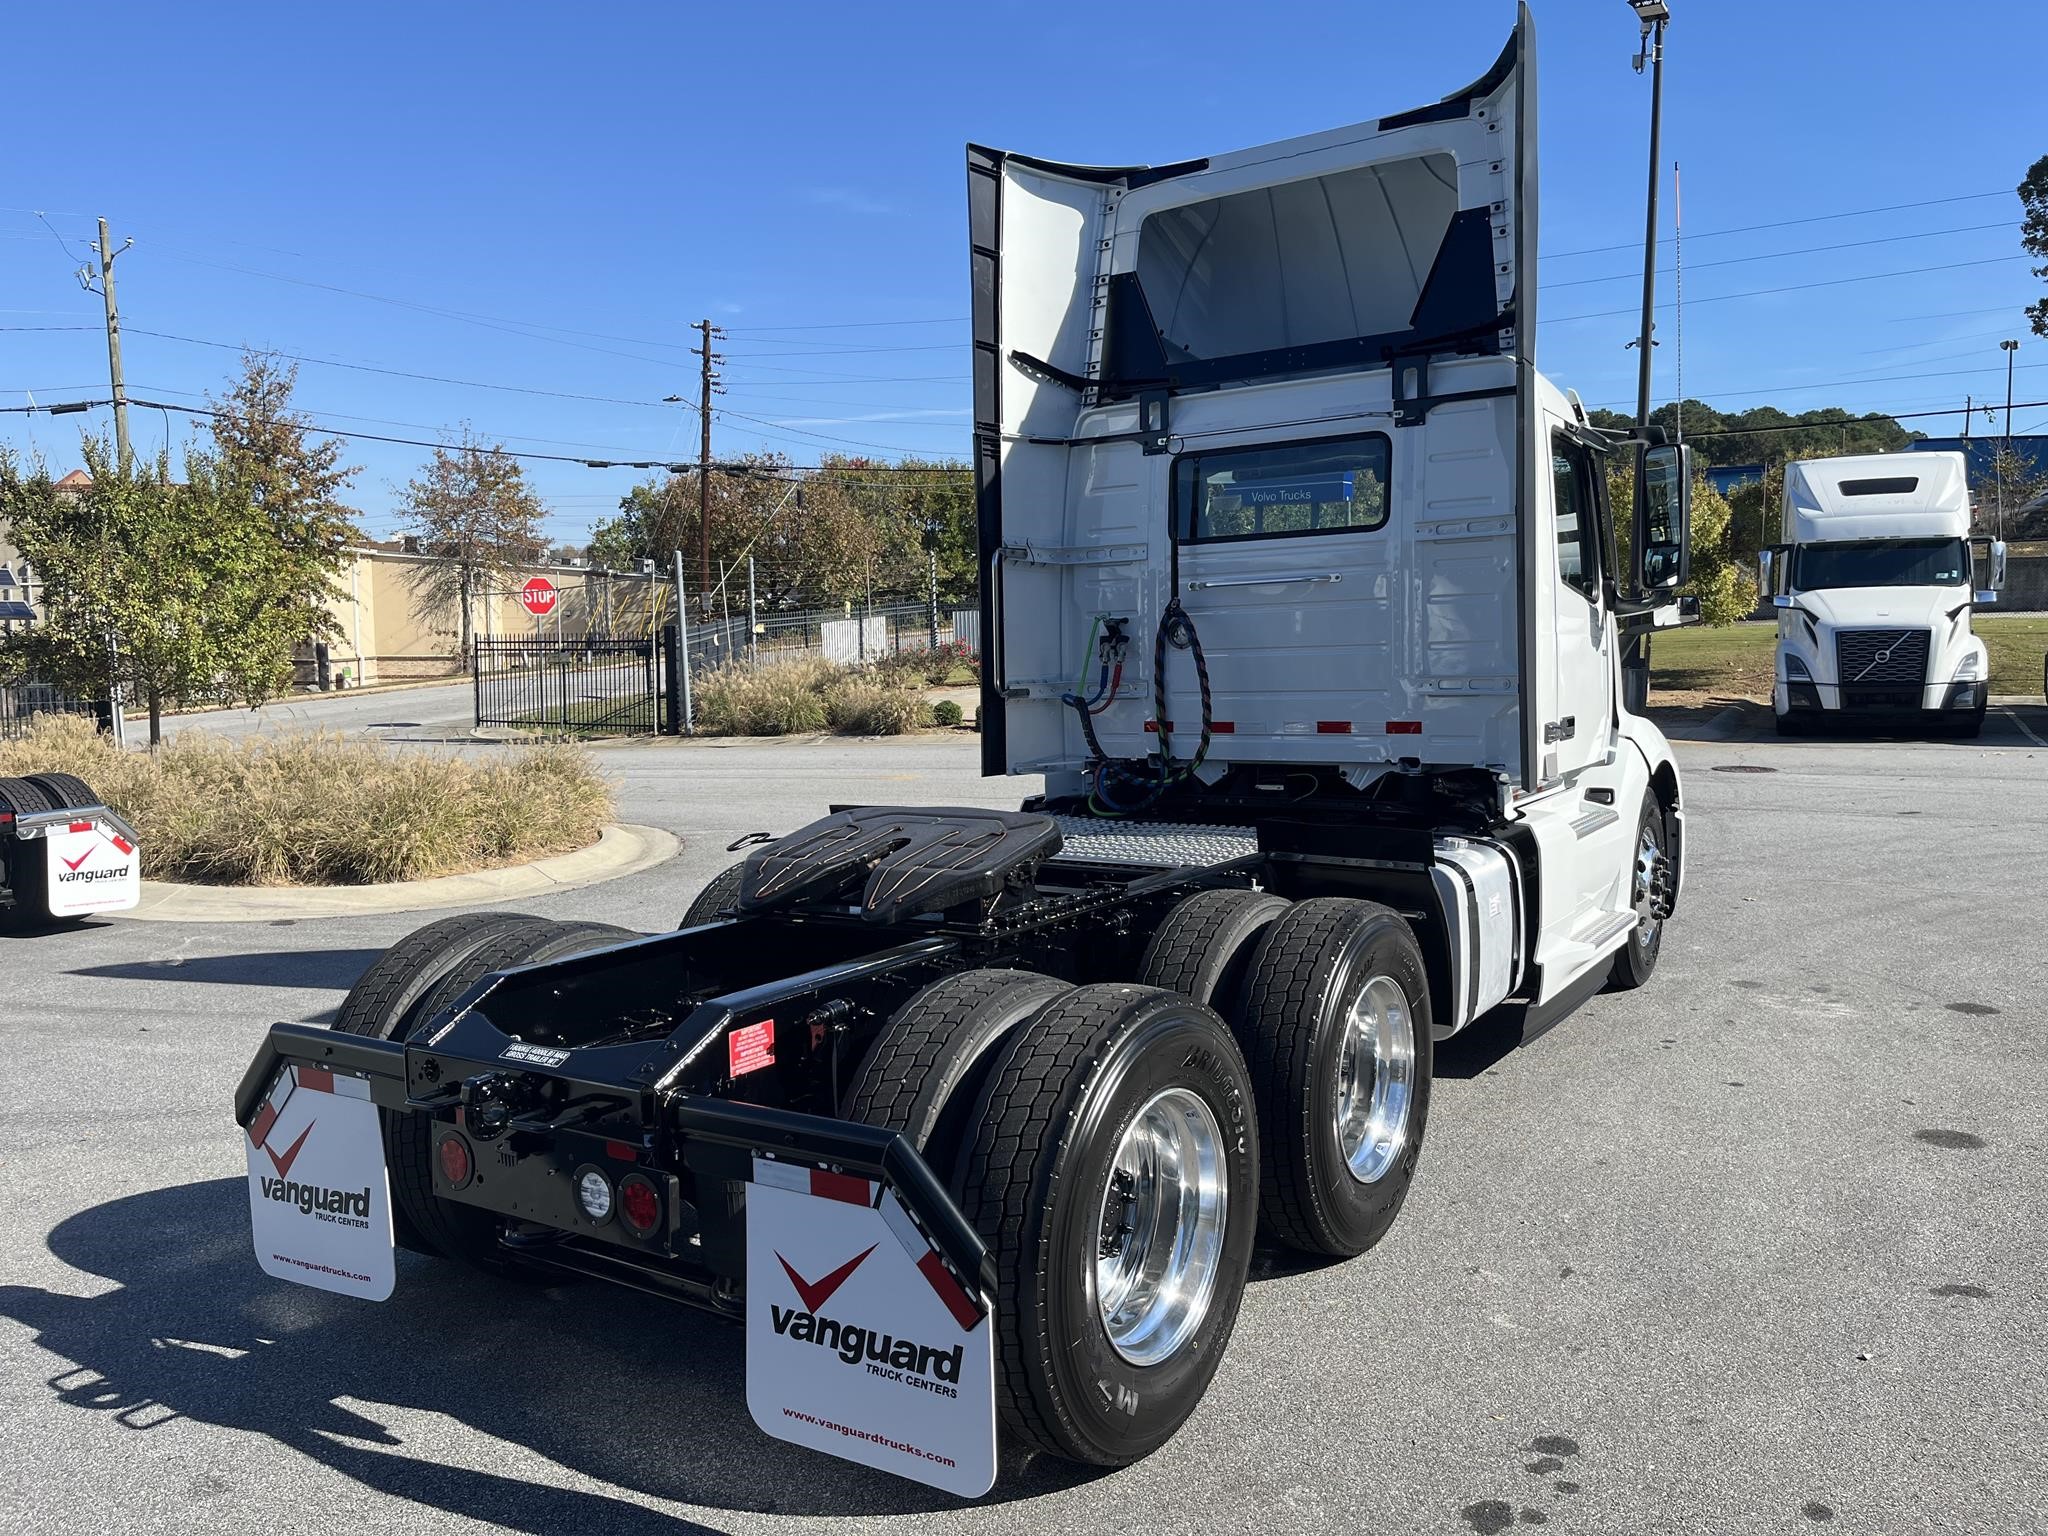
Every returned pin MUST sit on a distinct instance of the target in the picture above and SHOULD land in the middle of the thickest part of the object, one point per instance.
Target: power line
(845, 325)
(1818, 218)
(396, 373)
(1754, 293)
(1809, 250)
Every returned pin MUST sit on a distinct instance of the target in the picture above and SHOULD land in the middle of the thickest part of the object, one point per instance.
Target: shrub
(859, 706)
(905, 669)
(325, 810)
(946, 713)
(944, 661)
(775, 698)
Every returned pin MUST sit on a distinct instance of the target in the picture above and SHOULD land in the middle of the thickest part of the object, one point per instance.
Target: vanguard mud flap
(865, 1291)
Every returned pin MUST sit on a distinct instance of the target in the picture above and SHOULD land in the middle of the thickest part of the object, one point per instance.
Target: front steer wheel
(1113, 1170)
(1650, 877)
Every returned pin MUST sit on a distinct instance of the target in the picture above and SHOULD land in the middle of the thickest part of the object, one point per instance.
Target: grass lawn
(1736, 662)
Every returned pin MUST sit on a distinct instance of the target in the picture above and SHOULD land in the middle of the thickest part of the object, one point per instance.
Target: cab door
(1578, 723)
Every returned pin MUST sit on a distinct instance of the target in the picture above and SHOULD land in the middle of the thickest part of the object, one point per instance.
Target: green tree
(263, 447)
(2034, 233)
(476, 520)
(1724, 584)
(1765, 432)
(181, 593)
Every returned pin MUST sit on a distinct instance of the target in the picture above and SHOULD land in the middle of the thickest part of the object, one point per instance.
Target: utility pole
(1653, 14)
(107, 253)
(2011, 350)
(708, 386)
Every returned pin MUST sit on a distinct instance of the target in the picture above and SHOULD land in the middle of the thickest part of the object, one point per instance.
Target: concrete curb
(623, 850)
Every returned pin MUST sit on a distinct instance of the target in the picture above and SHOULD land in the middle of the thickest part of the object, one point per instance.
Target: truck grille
(1881, 658)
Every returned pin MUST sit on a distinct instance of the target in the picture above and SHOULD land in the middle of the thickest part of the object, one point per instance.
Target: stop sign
(539, 596)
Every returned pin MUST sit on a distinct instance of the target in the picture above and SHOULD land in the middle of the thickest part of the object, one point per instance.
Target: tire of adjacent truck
(1056, 1154)
(716, 898)
(28, 869)
(1638, 957)
(925, 1070)
(1335, 1025)
(24, 797)
(64, 790)
(1205, 945)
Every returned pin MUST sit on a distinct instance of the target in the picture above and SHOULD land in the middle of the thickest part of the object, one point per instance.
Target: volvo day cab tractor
(1874, 588)
(1300, 592)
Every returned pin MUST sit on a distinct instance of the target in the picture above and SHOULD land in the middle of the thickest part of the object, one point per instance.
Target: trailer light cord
(1155, 775)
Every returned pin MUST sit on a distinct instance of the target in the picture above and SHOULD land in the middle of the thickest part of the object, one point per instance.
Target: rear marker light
(456, 1166)
(639, 1205)
(594, 1195)
(1333, 727)
(1404, 727)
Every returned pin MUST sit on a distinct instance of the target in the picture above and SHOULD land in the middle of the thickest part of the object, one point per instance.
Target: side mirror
(1766, 567)
(1662, 548)
(1997, 582)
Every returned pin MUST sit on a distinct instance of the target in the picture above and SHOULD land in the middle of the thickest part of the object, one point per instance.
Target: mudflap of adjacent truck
(867, 1297)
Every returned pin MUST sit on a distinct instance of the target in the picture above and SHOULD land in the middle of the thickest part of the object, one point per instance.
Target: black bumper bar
(844, 1146)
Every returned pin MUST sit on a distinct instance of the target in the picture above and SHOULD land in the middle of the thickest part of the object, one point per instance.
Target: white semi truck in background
(1874, 585)
(971, 1117)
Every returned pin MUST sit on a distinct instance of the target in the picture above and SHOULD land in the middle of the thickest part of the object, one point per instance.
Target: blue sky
(584, 183)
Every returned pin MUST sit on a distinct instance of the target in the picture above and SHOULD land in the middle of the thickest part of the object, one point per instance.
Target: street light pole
(1653, 14)
(2011, 350)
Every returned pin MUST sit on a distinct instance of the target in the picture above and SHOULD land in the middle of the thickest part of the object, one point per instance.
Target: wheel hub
(1376, 1080)
(1161, 1227)
(1652, 886)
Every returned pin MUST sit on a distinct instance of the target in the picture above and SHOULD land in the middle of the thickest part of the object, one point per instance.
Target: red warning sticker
(751, 1048)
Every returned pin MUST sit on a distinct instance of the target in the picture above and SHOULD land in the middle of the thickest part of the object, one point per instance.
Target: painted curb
(619, 851)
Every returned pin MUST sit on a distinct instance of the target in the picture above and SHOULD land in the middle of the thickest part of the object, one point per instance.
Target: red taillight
(455, 1164)
(639, 1205)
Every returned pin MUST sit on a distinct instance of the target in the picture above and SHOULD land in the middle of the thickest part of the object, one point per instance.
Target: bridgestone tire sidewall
(1120, 1411)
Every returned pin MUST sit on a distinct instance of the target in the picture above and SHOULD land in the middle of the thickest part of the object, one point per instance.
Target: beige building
(388, 632)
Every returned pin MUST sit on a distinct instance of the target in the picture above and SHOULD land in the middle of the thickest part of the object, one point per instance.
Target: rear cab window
(1283, 490)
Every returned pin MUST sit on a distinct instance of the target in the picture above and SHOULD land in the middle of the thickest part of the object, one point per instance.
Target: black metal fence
(597, 685)
(21, 704)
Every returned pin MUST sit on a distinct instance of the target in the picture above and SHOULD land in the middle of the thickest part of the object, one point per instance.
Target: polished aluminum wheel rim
(1161, 1227)
(1376, 1080)
(1649, 861)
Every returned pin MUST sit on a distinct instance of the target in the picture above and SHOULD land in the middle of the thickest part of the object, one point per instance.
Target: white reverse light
(594, 1194)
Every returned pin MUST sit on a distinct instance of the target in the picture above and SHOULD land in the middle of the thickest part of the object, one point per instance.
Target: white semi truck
(972, 1117)
(1874, 586)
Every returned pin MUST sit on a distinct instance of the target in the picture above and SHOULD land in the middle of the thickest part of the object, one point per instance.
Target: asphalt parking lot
(1756, 1249)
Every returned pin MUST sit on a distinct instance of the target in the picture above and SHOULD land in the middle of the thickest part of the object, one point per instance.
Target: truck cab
(1280, 519)
(1874, 586)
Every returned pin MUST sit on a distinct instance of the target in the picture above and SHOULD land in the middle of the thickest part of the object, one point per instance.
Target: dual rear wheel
(1122, 1147)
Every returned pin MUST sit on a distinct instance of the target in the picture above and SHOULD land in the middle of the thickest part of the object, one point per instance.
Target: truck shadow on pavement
(336, 969)
(620, 1389)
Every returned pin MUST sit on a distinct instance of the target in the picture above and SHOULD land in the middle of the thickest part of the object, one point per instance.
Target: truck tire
(1966, 727)
(715, 898)
(1070, 1177)
(467, 1233)
(24, 797)
(379, 1005)
(925, 1069)
(26, 870)
(1205, 944)
(1790, 724)
(64, 790)
(1652, 868)
(1335, 1025)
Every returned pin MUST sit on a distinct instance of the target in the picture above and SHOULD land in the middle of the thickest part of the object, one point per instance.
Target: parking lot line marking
(2016, 720)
